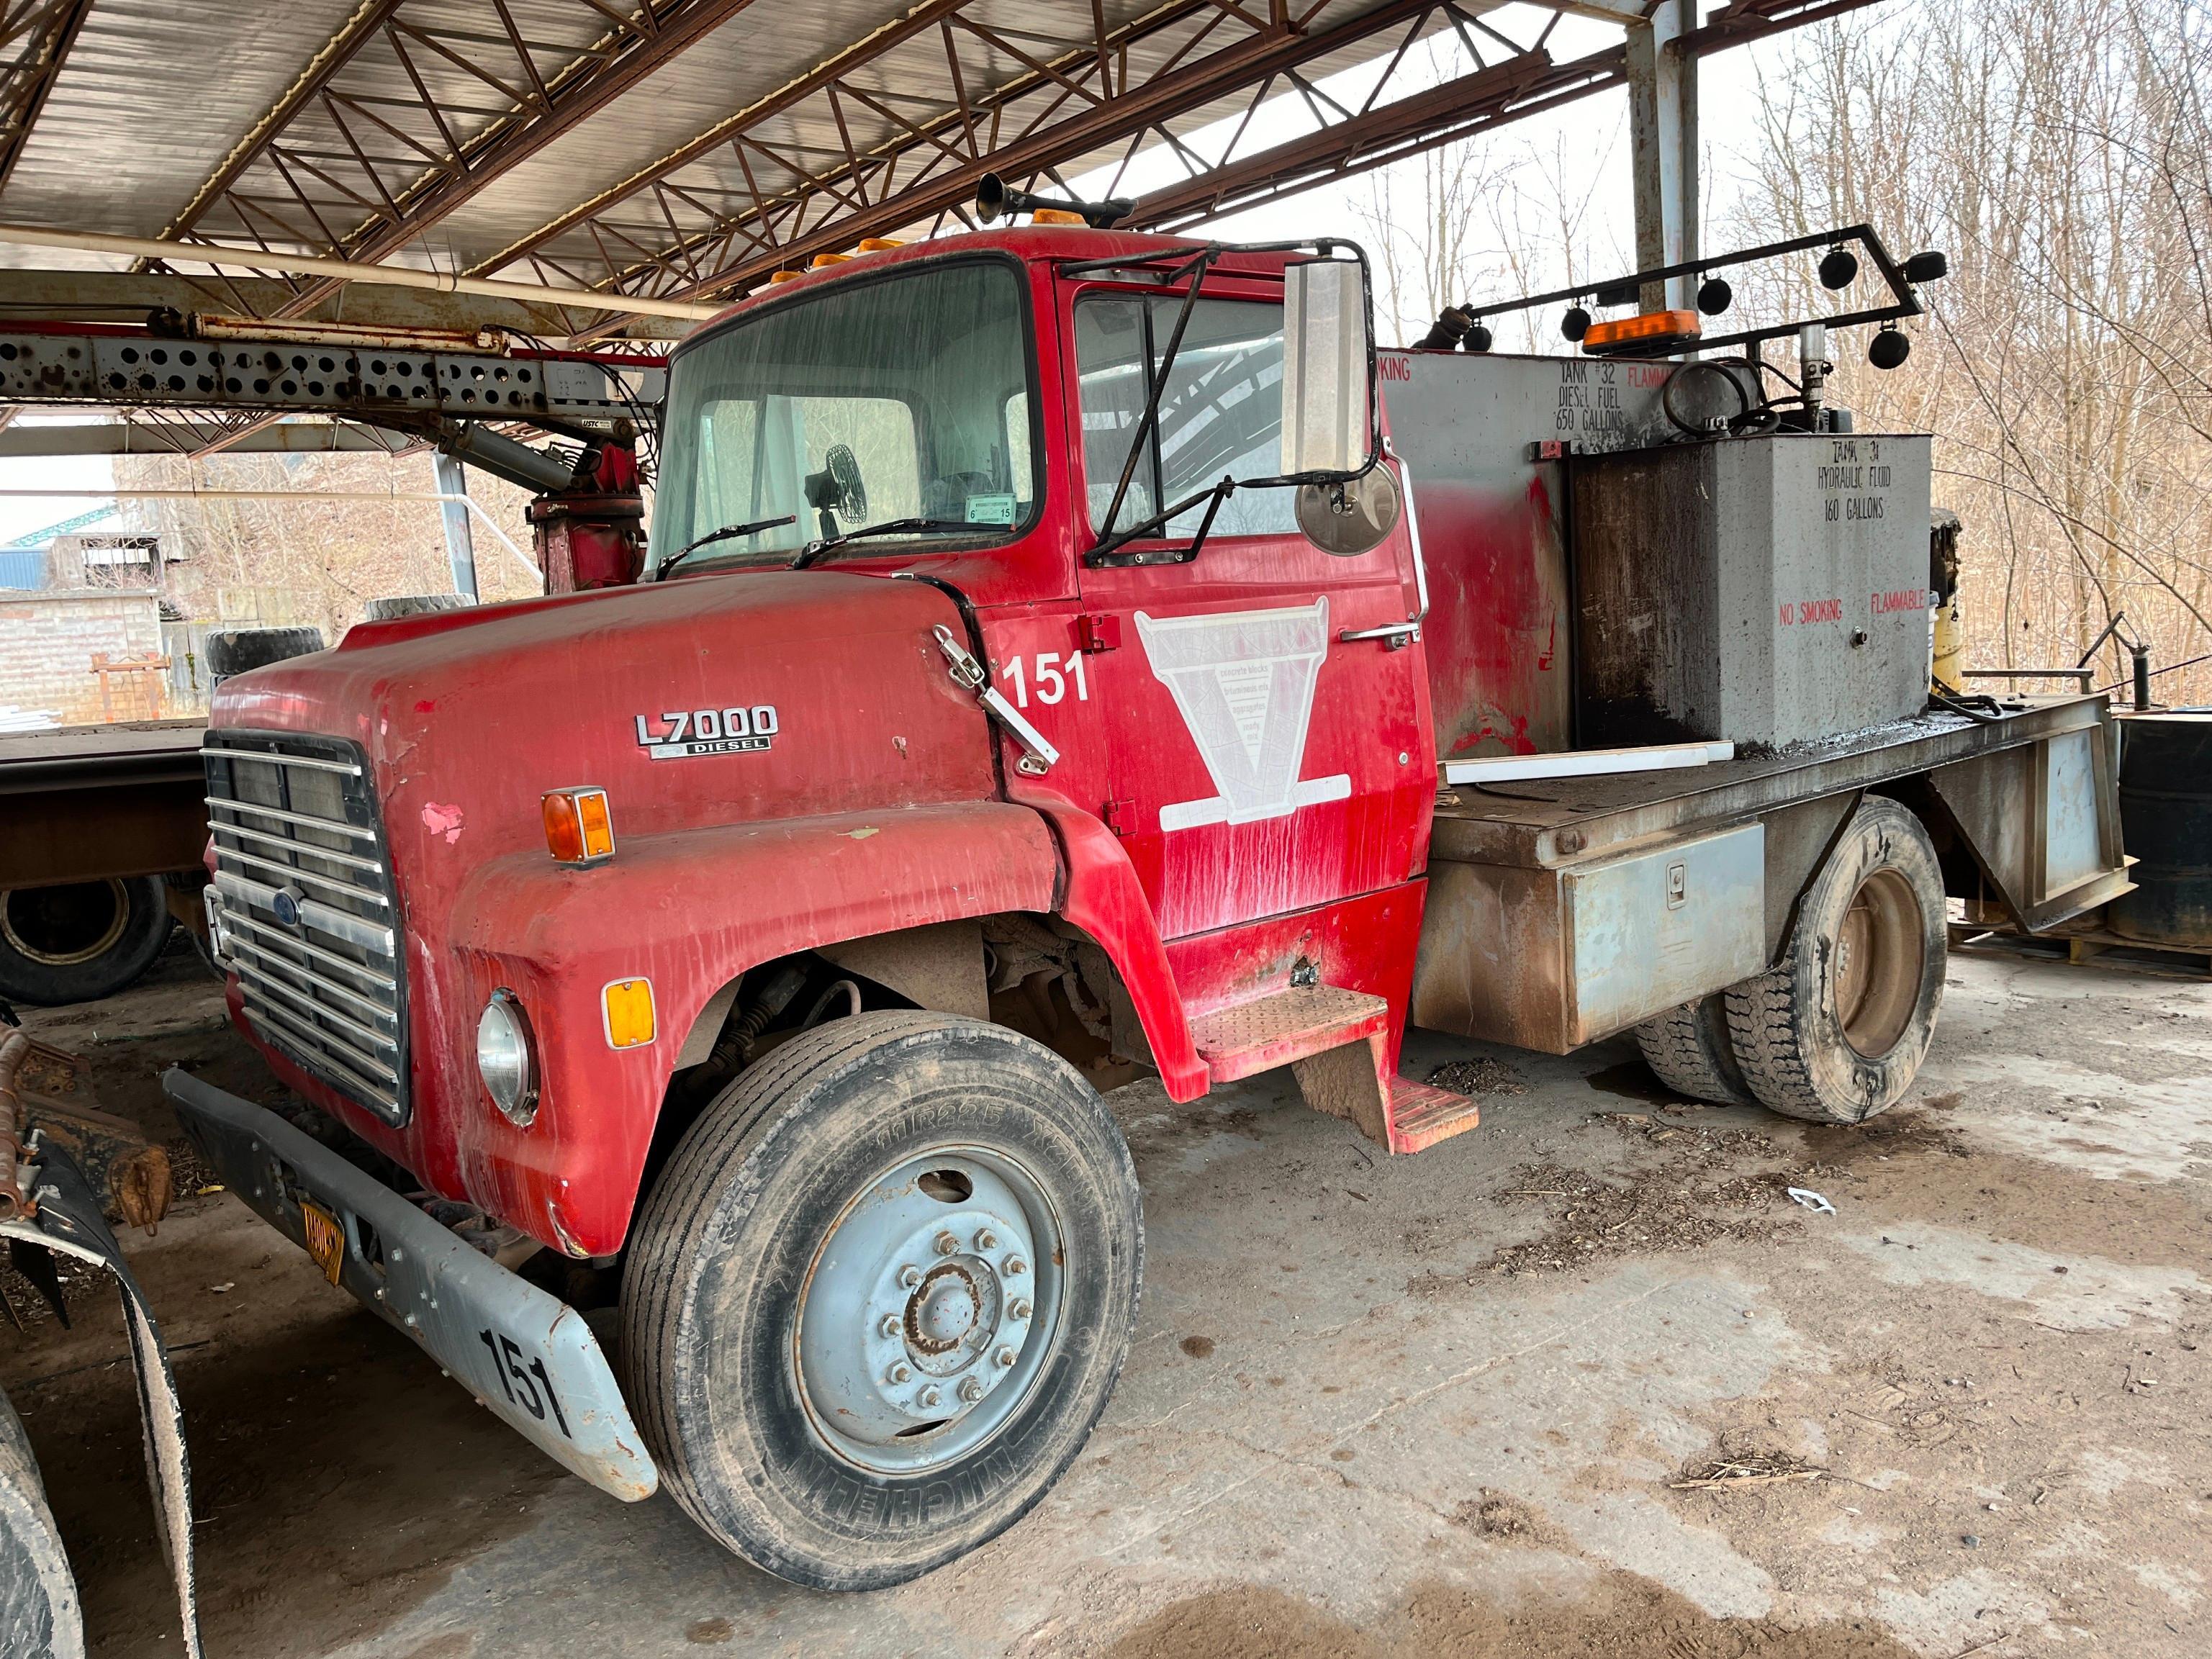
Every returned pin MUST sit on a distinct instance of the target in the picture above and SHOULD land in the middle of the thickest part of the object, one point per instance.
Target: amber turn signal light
(579, 829)
(1654, 332)
(626, 1006)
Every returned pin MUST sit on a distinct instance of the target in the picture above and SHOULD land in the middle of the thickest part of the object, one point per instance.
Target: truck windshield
(902, 399)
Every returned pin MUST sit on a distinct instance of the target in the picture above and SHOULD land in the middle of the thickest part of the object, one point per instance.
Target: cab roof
(1033, 244)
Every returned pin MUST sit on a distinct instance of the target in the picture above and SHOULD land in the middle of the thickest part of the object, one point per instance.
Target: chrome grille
(306, 915)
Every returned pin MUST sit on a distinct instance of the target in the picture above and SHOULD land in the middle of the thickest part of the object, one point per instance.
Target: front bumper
(525, 1355)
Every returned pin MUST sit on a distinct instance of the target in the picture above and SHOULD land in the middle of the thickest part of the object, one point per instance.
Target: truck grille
(308, 919)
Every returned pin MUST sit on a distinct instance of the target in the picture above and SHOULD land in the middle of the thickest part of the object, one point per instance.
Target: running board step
(1421, 1114)
(1285, 1026)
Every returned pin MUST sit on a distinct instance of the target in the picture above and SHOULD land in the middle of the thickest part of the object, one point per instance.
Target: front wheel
(880, 1294)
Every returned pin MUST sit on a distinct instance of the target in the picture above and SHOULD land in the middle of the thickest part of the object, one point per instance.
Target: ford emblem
(286, 904)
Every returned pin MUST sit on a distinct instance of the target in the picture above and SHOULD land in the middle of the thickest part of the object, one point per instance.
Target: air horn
(994, 201)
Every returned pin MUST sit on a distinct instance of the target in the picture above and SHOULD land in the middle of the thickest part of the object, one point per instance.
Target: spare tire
(80, 939)
(240, 650)
(414, 604)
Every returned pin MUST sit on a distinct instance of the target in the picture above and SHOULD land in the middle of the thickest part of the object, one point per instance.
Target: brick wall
(48, 641)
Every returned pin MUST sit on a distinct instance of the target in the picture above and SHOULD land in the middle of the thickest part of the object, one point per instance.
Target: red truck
(1062, 651)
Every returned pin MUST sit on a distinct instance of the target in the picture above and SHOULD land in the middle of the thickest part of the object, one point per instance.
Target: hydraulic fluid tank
(2166, 822)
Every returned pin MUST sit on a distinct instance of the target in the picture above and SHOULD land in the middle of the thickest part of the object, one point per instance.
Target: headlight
(507, 1059)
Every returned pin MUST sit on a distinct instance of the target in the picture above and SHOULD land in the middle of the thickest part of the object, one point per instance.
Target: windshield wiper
(728, 532)
(814, 551)
(1149, 422)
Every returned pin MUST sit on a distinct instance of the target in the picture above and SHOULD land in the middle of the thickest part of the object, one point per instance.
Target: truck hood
(713, 700)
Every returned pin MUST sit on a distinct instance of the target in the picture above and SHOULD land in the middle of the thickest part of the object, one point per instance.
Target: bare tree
(2057, 149)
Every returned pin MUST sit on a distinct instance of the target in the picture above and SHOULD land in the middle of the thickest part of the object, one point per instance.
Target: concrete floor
(1438, 1404)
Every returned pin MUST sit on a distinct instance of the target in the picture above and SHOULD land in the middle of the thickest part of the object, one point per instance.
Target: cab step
(1421, 1114)
(1336, 1040)
(1286, 1025)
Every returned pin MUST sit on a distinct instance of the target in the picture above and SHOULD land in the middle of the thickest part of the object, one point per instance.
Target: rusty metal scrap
(14, 1202)
(50, 1089)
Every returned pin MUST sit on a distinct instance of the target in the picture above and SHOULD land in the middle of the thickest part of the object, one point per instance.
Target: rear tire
(81, 939)
(1836, 1032)
(1689, 1050)
(893, 1212)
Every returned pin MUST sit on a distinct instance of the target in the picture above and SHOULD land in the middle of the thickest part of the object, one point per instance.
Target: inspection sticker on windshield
(990, 509)
(687, 731)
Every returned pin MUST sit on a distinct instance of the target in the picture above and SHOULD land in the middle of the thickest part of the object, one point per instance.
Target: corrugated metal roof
(600, 135)
(151, 98)
(154, 97)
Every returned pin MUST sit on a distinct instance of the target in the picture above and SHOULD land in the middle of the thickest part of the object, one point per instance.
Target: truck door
(1258, 762)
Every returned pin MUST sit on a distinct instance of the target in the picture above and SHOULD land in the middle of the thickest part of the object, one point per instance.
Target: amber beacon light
(1654, 331)
(579, 829)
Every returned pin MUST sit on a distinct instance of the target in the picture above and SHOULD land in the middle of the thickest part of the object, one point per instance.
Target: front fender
(688, 911)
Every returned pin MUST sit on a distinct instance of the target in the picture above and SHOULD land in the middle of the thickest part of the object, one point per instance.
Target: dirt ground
(1587, 1382)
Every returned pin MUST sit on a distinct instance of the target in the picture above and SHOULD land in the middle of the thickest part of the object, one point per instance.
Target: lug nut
(987, 1240)
(971, 1390)
(909, 1276)
(931, 1394)
(1017, 1309)
(889, 1325)
(946, 1244)
(900, 1373)
(1015, 1266)
(1004, 1358)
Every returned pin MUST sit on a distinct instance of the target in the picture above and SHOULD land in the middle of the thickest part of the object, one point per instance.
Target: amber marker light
(1654, 331)
(626, 1007)
(579, 829)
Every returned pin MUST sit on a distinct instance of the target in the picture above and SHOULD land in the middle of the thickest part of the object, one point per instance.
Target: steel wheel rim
(1880, 958)
(42, 950)
(889, 1313)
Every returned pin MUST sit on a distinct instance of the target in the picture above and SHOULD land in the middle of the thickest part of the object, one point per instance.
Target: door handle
(1396, 637)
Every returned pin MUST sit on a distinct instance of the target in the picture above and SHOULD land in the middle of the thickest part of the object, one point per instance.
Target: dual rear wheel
(1835, 1031)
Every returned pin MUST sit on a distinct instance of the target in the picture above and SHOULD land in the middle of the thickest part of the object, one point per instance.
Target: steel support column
(1662, 126)
(460, 545)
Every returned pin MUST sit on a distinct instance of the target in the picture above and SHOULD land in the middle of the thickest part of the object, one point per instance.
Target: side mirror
(1329, 423)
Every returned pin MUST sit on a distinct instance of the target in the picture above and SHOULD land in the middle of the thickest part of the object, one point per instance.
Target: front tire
(880, 1294)
(1836, 1032)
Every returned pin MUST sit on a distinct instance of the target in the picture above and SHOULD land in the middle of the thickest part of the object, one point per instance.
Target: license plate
(325, 1238)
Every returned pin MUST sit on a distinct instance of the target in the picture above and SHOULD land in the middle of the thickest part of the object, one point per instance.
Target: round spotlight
(1574, 324)
(1714, 296)
(506, 1058)
(1837, 269)
(1477, 339)
(1890, 348)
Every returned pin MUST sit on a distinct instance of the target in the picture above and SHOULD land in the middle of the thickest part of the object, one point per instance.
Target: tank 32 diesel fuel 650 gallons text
(1062, 651)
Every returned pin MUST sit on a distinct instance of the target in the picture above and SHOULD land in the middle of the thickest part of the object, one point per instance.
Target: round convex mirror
(1350, 518)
